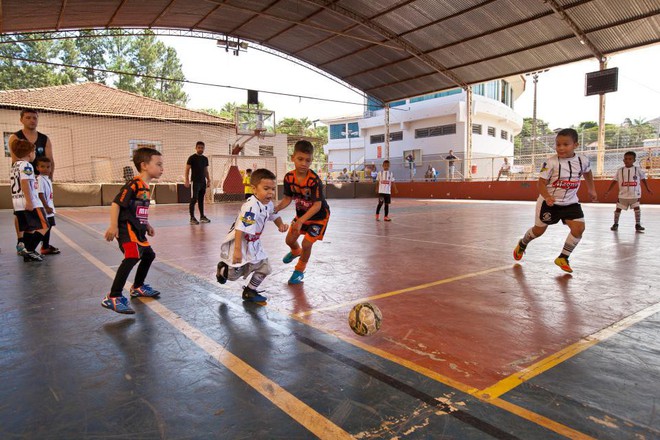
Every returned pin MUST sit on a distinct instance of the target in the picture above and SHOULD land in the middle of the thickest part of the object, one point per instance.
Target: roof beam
(211, 12)
(61, 15)
(556, 7)
(114, 14)
(169, 5)
(313, 14)
(231, 32)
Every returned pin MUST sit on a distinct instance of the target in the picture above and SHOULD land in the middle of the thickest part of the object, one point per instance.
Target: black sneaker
(204, 219)
(31, 256)
(614, 227)
(253, 296)
(221, 273)
(639, 228)
(193, 221)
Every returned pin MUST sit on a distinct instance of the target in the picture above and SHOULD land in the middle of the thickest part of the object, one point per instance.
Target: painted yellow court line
(511, 382)
(399, 292)
(287, 402)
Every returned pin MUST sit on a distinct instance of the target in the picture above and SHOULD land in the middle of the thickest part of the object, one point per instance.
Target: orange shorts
(313, 229)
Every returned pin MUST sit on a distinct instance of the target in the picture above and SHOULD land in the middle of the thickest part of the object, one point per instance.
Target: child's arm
(238, 245)
(286, 200)
(316, 207)
(27, 190)
(612, 183)
(395, 188)
(646, 184)
(48, 209)
(113, 229)
(281, 226)
(591, 188)
(542, 186)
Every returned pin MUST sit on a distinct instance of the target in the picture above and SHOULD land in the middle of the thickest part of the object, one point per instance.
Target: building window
(440, 130)
(476, 129)
(396, 136)
(377, 139)
(504, 135)
(353, 130)
(436, 95)
(491, 131)
(479, 89)
(266, 150)
(398, 103)
(336, 131)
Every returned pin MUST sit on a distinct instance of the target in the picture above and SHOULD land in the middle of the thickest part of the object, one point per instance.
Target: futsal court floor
(472, 346)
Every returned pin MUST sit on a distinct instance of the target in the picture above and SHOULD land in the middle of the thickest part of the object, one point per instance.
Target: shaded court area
(473, 344)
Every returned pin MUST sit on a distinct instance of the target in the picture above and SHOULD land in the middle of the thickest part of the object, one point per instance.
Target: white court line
(287, 402)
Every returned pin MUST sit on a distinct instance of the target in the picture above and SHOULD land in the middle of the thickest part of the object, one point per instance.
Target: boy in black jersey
(129, 224)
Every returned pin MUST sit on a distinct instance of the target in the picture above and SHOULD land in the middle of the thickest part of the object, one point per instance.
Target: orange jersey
(305, 192)
(134, 199)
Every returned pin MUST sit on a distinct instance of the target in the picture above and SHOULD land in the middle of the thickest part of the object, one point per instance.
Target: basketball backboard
(255, 122)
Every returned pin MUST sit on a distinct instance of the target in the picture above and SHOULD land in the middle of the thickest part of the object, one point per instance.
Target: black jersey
(40, 151)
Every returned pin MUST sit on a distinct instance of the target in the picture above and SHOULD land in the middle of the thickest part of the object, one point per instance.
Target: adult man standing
(197, 171)
(451, 158)
(30, 119)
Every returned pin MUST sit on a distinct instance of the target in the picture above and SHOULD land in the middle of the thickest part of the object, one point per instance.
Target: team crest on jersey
(27, 170)
(248, 219)
(544, 167)
(306, 192)
(546, 217)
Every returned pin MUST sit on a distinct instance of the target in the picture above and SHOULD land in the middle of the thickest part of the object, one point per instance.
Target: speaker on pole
(253, 97)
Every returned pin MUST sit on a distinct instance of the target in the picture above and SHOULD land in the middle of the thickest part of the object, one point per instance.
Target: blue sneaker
(253, 296)
(117, 304)
(20, 249)
(296, 277)
(145, 291)
(288, 258)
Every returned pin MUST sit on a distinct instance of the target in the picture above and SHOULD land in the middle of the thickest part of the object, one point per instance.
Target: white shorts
(627, 203)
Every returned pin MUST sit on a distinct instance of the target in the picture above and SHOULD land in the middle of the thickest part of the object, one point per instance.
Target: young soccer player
(29, 212)
(241, 253)
(46, 196)
(305, 188)
(628, 177)
(129, 224)
(247, 183)
(558, 185)
(384, 190)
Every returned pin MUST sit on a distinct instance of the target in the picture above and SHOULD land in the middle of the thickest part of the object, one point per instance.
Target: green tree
(93, 51)
(18, 74)
(170, 67)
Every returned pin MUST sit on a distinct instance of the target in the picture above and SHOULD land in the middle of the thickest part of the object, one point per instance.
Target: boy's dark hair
(200, 143)
(303, 147)
(22, 147)
(144, 154)
(568, 132)
(44, 159)
(630, 153)
(28, 110)
(260, 174)
(249, 170)
(386, 161)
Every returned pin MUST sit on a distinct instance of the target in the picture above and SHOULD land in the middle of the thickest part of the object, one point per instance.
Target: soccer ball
(365, 319)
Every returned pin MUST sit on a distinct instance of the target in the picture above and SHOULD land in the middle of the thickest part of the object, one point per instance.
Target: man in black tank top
(30, 119)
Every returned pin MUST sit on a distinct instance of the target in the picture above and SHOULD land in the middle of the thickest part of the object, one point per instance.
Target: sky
(560, 91)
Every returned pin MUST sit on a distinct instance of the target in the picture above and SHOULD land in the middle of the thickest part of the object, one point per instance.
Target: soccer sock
(301, 266)
(529, 236)
(257, 278)
(123, 271)
(387, 209)
(32, 240)
(20, 240)
(380, 204)
(148, 256)
(46, 240)
(617, 214)
(569, 245)
(638, 215)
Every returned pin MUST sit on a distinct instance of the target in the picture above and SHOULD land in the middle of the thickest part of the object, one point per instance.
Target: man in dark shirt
(452, 169)
(197, 172)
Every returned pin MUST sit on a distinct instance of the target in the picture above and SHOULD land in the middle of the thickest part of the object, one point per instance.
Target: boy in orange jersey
(129, 224)
(305, 188)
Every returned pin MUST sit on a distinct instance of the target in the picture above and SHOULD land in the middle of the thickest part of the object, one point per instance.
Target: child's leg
(306, 253)
(380, 205)
(260, 273)
(292, 242)
(638, 215)
(617, 214)
(122, 274)
(387, 209)
(574, 237)
(532, 233)
(45, 243)
(147, 257)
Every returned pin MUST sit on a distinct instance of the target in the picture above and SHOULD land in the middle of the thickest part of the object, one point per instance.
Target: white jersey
(46, 188)
(252, 221)
(563, 176)
(630, 182)
(385, 179)
(22, 170)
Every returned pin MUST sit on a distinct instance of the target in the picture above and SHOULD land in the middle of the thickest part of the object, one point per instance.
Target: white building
(430, 126)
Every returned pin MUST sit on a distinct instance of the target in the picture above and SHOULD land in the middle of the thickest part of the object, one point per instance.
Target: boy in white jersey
(241, 252)
(629, 178)
(558, 185)
(43, 165)
(384, 189)
(29, 211)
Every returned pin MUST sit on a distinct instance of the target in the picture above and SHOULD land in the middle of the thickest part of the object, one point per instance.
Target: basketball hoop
(259, 133)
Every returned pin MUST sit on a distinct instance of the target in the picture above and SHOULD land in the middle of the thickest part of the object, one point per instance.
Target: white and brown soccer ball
(365, 319)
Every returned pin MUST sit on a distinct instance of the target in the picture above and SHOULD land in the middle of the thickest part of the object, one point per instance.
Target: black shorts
(386, 198)
(551, 215)
(51, 221)
(34, 220)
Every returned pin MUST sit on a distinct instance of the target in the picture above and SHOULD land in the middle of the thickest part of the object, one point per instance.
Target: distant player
(305, 188)
(197, 172)
(247, 183)
(558, 185)
(241, 252)
(384, 189)
(46, 197)
(629, 178)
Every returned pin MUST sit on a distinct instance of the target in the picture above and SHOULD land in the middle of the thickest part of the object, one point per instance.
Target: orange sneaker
(387, 219)
(563, 264)
(518, 252)
(377, 217)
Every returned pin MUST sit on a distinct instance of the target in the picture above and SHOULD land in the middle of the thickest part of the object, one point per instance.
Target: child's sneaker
(20, 249)
(31, 256)
(117, 304)
(222, 272)
(614, 227)
(50, 250)
(639, 228)
(145, 291)
(252, 295)
(288, 258)
(387, 219)
(193, 221)
(204, 219)
(519, 251)
(296, 277)
(563, 264)
(377, 217)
